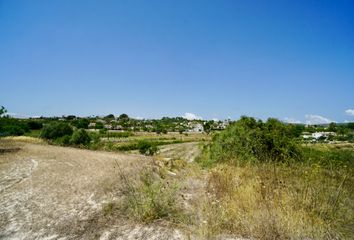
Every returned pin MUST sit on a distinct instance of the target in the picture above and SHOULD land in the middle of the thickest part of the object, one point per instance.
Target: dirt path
(50, 192)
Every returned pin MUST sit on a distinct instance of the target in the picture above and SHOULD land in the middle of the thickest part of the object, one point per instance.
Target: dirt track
(50, 192)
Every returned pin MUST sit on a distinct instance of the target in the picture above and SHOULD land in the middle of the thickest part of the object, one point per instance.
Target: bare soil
(51, 192)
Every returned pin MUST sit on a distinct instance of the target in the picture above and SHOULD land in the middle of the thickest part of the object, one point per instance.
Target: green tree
(80, 137)
(3, 111)
(99, 125)
(123, 117)
(251, 140)
(109, 116)
(207, 126)
(56, 130)
(81, 123)
(332, 127)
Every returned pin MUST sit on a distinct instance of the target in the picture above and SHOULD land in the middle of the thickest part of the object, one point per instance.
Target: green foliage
(207, 126)
(331, 158)
(81, 123)
(12, 127)
(12, 130)
(70, 117)
(296, 129)
(332, 127)
(147, 147)
(80, 137)
(35, 125)
(248, 140)
(56, 130)
(123, 117)
(2, 111)
(63, 141)
(99, 125)
(95, 137)
(151, 199)
(109, 116)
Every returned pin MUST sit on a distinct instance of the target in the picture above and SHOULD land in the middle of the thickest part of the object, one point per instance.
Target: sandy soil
(51, 192)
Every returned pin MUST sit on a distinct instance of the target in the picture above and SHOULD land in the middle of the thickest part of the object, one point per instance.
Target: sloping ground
(51, 192)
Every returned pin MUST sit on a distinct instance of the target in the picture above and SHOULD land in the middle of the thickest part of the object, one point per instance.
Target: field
(54, 192)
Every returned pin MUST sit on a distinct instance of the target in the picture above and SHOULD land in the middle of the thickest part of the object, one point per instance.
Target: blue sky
(293, 60)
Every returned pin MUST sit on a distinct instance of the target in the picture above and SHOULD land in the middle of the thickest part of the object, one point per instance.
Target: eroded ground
(51, 192)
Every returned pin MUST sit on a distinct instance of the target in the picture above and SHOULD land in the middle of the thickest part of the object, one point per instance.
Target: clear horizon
(289, 60)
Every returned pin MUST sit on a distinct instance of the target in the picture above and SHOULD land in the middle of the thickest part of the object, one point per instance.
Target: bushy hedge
(80, 137)
(12, 127)
(147, 147)
(56, 130)
(250, 140)
(35, 125)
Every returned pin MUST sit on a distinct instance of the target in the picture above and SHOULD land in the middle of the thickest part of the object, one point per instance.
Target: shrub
(63, 141)
(147, 148)
(99, 125)
(35, 125)
(12, 127)
(56, 130)
(95, 137)
(248, 140)
(81, 123)
(150, 198)
(12, 130)
(80, 137)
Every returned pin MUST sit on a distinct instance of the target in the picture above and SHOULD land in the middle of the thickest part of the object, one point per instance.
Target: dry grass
(279, 202)
(24, 139)
(148, 198)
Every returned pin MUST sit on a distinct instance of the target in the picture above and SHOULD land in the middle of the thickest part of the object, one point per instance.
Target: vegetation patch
(277, 201)
(148, 198)
(263, 184)
(248, 140)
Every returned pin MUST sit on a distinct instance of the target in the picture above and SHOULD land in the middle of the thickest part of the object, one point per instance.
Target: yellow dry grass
(25, 139)
(277, 202)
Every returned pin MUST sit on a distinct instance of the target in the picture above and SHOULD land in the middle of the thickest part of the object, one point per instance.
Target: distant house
(92, 125)
(318, 135)
(118, 127)
(195, 127)
(108, 126)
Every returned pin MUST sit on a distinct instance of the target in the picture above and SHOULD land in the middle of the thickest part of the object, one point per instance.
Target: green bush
(63, 141)
(12, 127)
(151, 199)
(147, 148)
(81, 123)
(56, 130)
(248, 140)
(80, 137)
(34, 125)
(95, 137)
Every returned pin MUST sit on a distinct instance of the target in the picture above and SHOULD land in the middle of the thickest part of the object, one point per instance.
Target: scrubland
(254, 180)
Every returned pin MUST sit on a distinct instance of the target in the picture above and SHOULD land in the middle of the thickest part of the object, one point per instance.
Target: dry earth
(51, 192)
